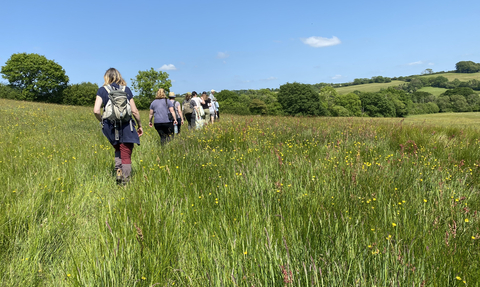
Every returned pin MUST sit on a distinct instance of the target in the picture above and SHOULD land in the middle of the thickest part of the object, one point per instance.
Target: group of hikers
(169, 115)
(166, 115)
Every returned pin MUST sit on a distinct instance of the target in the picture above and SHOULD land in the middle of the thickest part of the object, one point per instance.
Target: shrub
(82, 94)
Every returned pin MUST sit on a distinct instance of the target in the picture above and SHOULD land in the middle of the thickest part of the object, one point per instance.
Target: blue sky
(205, 45)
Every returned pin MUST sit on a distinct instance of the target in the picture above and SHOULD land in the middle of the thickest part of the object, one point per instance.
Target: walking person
(207, 102)
(188, 110)
(214, 105)
(160, 109)
(196, 104)
(178, 111)
(121, 134)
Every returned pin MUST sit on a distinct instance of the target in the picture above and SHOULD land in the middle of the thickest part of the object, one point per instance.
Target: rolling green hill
(464, 77)
(432, 90)
(375, 87)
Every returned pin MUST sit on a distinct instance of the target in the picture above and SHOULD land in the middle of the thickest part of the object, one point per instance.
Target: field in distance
(375, 87)
(372, 88)
(459, 120)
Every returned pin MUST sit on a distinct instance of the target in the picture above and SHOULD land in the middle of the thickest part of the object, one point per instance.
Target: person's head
(161, 94)
(188, 96)
(204, 95)
(194, 94)
(111, 76)
(212, 92)
(171, 96)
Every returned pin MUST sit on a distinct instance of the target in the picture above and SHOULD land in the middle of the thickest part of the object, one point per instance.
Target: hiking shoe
(119, 176)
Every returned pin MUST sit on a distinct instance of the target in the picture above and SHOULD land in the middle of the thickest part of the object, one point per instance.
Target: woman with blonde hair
(160, 109)
(121, 134)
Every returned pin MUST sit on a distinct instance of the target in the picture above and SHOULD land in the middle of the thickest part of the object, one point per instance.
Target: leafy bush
(82, 94)
(7, 92)
(257, 107)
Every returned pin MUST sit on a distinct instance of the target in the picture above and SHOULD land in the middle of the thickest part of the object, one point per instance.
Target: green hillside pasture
(249, 201)
(432, 90)
(374, 87)
(458, 120)
(464, 77)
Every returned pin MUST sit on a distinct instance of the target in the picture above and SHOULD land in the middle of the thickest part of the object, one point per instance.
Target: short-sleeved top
(126, 135)
(206, 105)
(177, 105)
(160, 109)
(194, 102)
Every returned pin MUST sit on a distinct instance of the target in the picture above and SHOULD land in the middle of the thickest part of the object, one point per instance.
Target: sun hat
(171, 95)
(212, 91)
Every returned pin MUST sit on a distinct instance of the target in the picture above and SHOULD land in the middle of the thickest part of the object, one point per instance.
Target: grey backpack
(117, 109)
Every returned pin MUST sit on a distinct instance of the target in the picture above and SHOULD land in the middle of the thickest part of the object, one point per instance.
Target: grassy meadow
(464, 77)
(248, 201)
(433, 90)
(375, 87)
(370, 88)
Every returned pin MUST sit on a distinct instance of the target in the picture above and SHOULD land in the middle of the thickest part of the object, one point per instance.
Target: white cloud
(431, 64)
(222, 55)
(169, 67)
(268, 79)
(416, 63)
(336, 77)
(320, 42)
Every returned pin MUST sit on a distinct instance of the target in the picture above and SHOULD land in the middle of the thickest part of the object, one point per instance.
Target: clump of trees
(33, 77)
(249, 102)
(467, 67)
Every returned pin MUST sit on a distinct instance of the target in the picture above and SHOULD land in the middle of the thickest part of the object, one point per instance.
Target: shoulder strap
(122, 88)
(108, 88)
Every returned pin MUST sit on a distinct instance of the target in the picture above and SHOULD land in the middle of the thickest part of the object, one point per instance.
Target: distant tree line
(296, 99)
(32, 77)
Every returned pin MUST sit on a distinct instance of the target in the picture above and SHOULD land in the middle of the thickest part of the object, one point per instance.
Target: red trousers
(124, 151)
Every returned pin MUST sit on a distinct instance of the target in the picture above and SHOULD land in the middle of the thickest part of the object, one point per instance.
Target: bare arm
(180, 113)
(150, 118)
(136, 115)
(97, 107)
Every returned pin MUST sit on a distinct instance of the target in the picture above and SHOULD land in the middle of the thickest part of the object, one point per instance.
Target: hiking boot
(120, 178)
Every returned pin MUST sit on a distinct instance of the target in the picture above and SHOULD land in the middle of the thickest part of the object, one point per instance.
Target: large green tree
(467, 67)
(147, 83)
(38, 78)
(300, 99)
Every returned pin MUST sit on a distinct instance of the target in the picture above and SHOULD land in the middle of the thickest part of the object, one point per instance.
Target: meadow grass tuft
(263, 201)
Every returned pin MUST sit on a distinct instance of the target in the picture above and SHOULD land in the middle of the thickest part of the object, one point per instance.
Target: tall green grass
(249, 201)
